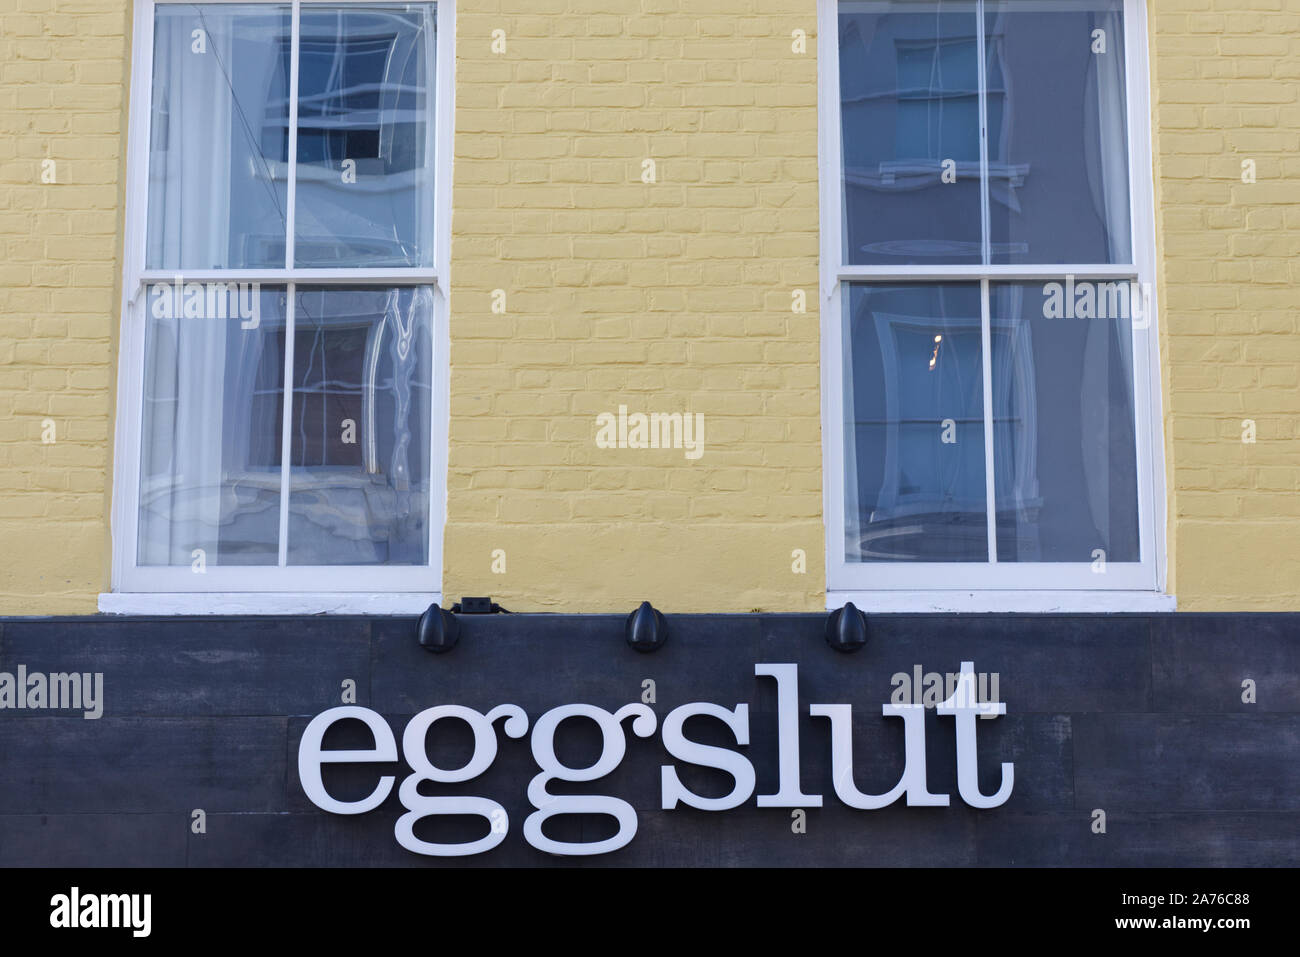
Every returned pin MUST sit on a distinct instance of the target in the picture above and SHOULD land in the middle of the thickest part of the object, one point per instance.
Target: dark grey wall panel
(835, 836)
(1161, 762)
(297, 840)
(547, 660)
(1140, 839)
(1138, 715)
(1048, 663)
(92, 840)
(69, 765)
(168, 667)
(1198, 662)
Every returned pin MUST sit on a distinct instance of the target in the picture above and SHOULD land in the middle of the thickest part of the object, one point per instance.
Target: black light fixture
(646, 628)
(438, 631)
(478, 606)
(846, 628)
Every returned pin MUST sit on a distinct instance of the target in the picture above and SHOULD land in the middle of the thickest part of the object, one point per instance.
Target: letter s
(707, 756)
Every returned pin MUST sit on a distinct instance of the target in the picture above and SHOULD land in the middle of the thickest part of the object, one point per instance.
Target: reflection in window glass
(359, 448)
(909, 102)
(1054, 93)
(1058, 166)
(914, 424)
(364, 172)
(1063, 422)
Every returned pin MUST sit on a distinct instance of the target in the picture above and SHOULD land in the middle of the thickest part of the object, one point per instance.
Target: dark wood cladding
(1140, 716)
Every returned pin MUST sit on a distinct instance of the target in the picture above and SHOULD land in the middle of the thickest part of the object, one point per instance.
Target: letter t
(964, 707)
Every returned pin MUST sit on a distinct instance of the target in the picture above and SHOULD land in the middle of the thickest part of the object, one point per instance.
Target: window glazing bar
(286, 426)
(972, 272)
(982, 67)
(290, 225)
(397, 276)
(986, 358)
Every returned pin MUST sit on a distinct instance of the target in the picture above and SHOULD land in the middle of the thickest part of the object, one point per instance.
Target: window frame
(992, 586)
(272, 588)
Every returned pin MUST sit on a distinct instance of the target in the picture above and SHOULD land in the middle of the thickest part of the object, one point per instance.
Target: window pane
(219, 136)
(914, 429)
(209, 463)
(359, 475)
(1058, 142)
(909, 98)
(1064, 450)
(365, 148)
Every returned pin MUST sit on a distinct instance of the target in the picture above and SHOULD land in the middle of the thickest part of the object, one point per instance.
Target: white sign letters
(962, 705)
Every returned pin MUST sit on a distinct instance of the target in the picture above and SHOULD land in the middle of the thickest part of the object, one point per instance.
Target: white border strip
(1028, 602)
(1152, 512)
(241, 603)
(129, 411)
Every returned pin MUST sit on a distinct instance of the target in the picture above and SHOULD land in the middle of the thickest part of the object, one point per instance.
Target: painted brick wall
(672, 296)
(1227, 90)
(63, 69)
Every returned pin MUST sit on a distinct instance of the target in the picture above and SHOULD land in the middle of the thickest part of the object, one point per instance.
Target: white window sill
(1024, 602)
(267, 603)
(878, 602)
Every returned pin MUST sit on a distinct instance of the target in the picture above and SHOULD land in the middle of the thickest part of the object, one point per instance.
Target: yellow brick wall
(63, 69)
(666, 297)
(1226, 88)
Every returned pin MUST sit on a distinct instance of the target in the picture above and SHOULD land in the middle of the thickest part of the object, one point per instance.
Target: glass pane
(210, 450)
(359, 477)
(1064, 451)
(1058, 141)
(909, 98)
(365, 143)
(219, 135)
(914, 424)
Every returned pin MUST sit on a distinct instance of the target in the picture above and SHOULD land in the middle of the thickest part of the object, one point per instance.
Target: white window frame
(990, 586)
(293, 589)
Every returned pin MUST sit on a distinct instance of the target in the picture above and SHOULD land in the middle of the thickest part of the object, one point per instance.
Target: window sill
(270, 603)
(1014, 602)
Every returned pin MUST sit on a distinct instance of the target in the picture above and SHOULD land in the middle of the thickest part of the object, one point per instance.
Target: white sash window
(282, 424)
(991, 402)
